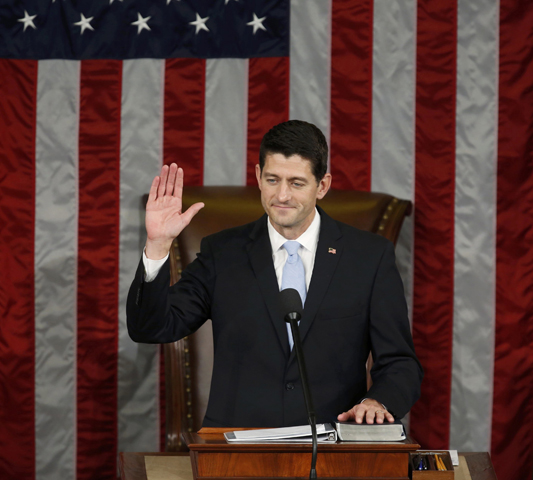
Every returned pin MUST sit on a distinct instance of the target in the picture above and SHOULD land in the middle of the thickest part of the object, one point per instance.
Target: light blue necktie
(293, 276)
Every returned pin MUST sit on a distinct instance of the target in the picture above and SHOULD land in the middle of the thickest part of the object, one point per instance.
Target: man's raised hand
(164, 218)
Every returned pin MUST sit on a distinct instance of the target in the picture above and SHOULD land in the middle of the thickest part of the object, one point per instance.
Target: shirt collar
(308, 239)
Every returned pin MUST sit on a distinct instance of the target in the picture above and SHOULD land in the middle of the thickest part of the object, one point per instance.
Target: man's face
(289, 192)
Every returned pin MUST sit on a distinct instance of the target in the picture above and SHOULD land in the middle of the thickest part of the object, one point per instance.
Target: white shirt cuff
(152, 267)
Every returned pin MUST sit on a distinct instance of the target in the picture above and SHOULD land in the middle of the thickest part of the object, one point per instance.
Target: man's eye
(298, 185)
(271, 180)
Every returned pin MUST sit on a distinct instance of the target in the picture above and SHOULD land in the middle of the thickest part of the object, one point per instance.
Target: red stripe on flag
(98, 237)
(183, 137)
(18, 84)
(268, 104)
(434, 217)
(351, 94)
(512, 416)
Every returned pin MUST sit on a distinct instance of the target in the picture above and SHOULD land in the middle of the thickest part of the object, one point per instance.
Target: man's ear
(258, 175)
(323, 186)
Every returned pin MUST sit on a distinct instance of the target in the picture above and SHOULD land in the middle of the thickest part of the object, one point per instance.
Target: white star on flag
(168, 1)
(111, 1)
(227, 1)
(199, 23)
(141, 23)
(27, 20)
(257, 23)
(84, 23)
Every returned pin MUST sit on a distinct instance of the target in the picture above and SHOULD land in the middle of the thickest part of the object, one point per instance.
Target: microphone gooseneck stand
(292, 304)
(307, 392)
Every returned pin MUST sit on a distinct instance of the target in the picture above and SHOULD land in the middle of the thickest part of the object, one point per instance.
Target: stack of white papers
(299, 434)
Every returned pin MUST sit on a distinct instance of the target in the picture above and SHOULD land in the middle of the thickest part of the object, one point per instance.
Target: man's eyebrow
(299, 179)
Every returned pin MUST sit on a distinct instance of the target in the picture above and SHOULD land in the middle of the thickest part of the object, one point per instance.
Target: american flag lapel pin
(332, 250)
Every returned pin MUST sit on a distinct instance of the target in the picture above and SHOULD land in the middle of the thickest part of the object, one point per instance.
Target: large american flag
(429, 101)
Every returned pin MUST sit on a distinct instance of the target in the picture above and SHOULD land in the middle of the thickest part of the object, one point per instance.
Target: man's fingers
(163, 181)
(366, 412)
(153, 189)
(178, 188)
(169, 182)
(360, 411)
(191, 212)
(346, 416)
(380, 416)
(356, 414)
(172, 174)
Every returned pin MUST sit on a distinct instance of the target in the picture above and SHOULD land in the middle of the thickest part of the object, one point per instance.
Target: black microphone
(291, 302)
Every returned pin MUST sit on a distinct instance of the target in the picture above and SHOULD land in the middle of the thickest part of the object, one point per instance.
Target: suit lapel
(260, 255)
(329, 241)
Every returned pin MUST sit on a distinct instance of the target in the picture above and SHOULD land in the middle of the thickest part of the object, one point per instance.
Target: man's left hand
(370, 410)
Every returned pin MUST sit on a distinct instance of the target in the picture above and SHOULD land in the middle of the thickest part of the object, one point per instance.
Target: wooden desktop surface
(133, 466)
(214, 457)
(212, 439)
(177, 466)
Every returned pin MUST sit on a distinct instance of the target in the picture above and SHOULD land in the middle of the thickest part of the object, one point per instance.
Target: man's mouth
(283, 206)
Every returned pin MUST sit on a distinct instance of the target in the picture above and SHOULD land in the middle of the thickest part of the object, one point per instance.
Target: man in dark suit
(353, 294)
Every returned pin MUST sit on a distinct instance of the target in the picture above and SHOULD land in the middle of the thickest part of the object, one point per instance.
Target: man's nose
(284, 192)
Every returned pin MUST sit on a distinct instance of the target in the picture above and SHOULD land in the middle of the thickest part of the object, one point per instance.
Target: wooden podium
(213, 458)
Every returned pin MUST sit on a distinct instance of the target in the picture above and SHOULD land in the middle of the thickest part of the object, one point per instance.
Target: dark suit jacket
(355, 304)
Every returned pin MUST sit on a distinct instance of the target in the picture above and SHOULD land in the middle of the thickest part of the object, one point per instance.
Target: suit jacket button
(289, 386)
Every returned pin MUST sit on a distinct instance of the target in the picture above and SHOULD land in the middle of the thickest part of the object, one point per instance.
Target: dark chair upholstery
(188, 363)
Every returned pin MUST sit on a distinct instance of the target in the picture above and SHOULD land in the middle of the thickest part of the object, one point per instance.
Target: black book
(375, 432)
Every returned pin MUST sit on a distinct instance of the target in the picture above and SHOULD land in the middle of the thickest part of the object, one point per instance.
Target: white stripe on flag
(393, 102)
(475, 220)
(226, 121)
(140, 161)
(393, 118)
(393, 115)
(310, 62)
(56, 227)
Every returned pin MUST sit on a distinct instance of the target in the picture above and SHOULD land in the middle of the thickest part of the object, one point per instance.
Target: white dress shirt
(152, 267)
(307, 252)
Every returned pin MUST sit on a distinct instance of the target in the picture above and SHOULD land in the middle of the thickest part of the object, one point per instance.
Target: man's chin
(282, 221)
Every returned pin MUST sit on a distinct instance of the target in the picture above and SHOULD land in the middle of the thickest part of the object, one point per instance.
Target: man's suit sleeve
(159, 313)
(396, 373)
